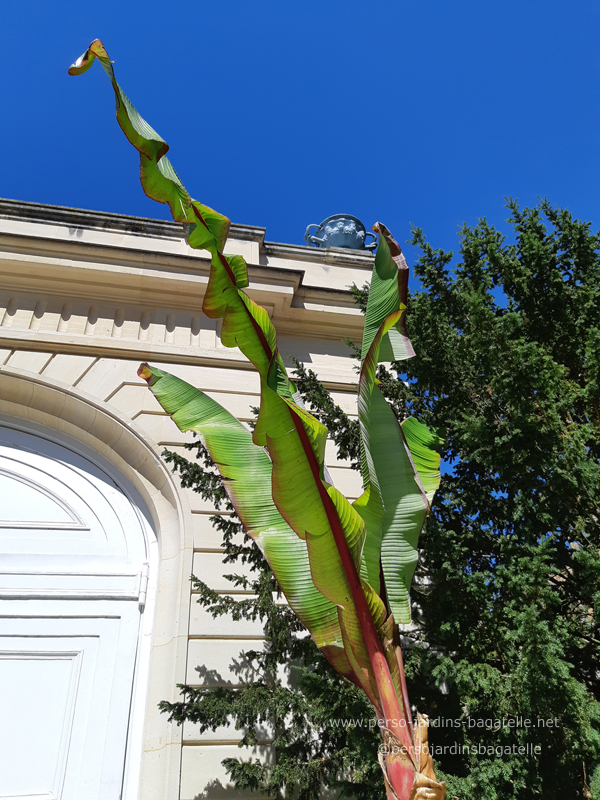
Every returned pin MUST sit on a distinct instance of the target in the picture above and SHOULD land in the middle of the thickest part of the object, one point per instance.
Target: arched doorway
(77, 552)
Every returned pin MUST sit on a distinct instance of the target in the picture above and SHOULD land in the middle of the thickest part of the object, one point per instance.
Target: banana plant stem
(400, 660)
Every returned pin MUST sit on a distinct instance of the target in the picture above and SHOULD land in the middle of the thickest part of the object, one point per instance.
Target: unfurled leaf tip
(85, 61)
(146, 373)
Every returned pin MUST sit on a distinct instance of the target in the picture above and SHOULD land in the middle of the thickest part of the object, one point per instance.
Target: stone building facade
(98, 623)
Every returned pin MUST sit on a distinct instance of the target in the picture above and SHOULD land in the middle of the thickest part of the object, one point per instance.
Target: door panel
(72, 550)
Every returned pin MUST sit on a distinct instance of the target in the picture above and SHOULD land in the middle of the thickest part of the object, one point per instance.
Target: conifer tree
(505, 642)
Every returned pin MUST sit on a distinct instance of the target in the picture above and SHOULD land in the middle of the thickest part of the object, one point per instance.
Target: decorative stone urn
(340, 230)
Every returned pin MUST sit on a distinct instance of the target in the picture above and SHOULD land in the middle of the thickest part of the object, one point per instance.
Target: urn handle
(312, 239)
(372, 245)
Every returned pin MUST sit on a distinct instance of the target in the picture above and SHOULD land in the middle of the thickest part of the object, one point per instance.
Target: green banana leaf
(159, 180)
(246, 471)
(424, 445)
(395, 503)
(388, 293)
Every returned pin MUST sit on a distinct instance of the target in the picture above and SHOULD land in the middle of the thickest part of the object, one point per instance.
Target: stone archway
(93, 511)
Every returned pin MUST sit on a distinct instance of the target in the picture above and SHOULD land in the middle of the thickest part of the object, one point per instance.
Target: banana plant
(344, 568)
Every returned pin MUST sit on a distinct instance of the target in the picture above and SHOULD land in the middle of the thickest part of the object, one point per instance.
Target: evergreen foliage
(507, 596)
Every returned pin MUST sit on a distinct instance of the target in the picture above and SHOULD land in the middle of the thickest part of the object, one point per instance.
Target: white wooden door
(73, 550)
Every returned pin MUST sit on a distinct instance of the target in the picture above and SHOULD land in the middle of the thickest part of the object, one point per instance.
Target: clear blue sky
(282, 113)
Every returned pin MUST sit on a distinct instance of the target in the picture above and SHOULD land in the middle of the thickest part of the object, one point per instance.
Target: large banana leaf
(394, 504)
(159, 180)
(388, 294)
(246, 471)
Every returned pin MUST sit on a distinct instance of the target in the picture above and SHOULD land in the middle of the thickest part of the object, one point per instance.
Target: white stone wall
(85, 297)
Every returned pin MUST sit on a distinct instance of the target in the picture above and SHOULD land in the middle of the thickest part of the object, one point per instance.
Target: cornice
(165, 229)
(112, 258)
(108, 221)
(335, 256)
